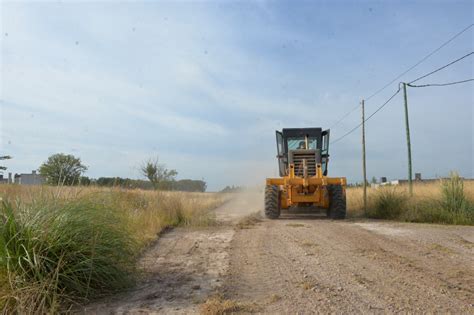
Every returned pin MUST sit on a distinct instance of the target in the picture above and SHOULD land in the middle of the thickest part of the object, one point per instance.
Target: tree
(62, 169)
(5, 157)
(190, 185)
(232, 189)
(84, 181)
(374, 180)
(158, 174)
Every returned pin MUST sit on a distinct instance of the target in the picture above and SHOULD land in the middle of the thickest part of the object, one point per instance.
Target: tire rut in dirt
(326, 266)
(264, 273)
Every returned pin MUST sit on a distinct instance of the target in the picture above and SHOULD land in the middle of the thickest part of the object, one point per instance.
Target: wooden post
(363, 157)
(407, 125)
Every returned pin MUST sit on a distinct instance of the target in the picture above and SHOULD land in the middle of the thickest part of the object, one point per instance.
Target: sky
(203, 85)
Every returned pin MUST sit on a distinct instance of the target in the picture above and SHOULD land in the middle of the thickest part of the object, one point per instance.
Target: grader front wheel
(272, 201)
(337, 203)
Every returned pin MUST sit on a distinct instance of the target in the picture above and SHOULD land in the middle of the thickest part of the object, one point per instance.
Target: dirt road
(303, 265)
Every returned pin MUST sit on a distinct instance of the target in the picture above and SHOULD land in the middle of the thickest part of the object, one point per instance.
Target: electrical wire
(398, 91)
(402, 74)
(441, 68)
(421, 61)
(371, 115)
(439, 84)
(344, 117)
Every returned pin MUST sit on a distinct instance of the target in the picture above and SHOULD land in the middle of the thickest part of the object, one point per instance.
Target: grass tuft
(388, 203)
(249, 221)
(452, 195)
(295, 225)
(217, 305)
(56, 251)
(447, 201)
(61, 247)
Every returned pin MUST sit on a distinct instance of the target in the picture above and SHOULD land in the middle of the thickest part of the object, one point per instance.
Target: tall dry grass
(63, 245)
(449, 201)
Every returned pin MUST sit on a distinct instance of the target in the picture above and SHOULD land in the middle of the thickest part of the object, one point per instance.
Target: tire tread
(272, 201)
(337, 203)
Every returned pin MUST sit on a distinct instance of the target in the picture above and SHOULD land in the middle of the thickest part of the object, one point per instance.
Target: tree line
(66, 169)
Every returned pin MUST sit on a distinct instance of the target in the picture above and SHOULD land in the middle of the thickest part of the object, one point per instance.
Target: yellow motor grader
(303, 156)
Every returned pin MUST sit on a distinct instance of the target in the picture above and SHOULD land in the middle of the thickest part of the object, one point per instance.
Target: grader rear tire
(272, 201)
(337, 203)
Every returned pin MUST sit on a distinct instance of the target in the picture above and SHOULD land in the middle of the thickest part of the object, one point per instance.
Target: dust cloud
(244, 203)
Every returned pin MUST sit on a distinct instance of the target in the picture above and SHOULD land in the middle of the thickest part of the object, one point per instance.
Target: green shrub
(432, 211)
(387, 203)
(57, 253)
(451, 207)
(65, 246)
(452, 194)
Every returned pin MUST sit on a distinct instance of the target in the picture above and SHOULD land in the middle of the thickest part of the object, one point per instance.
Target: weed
(452, 192)
(449, 201)
(248, 221)
(56, 251)
(388, 204)
(217, 305)
(307, 285)
(441, 248)
(308, 244)
(295, 225)
(274, 298)
(59, 247)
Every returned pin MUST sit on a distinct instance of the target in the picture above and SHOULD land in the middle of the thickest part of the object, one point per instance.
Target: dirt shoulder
(180, 271)
(303, 264)
(184, 267)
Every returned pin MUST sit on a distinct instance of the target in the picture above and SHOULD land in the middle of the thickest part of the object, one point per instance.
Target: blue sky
(204, 85)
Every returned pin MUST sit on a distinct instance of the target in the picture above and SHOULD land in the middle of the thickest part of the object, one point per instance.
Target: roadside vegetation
(62, 246)
(448, 201)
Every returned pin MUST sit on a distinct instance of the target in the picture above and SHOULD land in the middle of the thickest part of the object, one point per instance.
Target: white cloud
(196, 85)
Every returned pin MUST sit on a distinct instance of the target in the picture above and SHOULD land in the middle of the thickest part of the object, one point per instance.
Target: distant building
(16, 179)
(3, 180)
(417, 179)
(28, 179)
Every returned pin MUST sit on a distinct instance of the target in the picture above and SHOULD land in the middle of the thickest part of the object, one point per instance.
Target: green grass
(451, 206)
(388, 203)
(63, 251)
(60, 250)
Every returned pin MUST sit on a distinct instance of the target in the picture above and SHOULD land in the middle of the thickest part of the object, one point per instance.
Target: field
(304, 264)
(61, 246)
(449, 201)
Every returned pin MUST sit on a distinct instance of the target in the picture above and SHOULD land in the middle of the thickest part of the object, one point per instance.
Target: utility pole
(363, 157)
(407, 125)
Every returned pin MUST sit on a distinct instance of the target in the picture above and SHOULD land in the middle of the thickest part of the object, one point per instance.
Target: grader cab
(303, 157)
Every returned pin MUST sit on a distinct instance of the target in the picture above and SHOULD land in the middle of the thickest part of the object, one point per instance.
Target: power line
(443, 67)
(398, 91)
(344, 117)
(376, 111)
(405, 72)
(439, 84)
(391, 97)
(421, 61)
